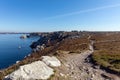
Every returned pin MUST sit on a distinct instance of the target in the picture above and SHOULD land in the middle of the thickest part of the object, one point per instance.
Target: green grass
(107, 59)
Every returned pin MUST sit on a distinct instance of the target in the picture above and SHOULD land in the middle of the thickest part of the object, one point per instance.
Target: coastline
(12, 48)
(53, 42)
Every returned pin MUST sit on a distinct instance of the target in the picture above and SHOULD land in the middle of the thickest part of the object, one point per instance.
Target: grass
(107, 60)
(107, 51)
(104, 36)
(107, 54)
(72, 45)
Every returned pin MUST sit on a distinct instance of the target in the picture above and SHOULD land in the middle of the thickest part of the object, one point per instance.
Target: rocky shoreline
(72, 49)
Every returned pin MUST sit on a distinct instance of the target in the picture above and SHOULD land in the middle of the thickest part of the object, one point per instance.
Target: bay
(13, 49)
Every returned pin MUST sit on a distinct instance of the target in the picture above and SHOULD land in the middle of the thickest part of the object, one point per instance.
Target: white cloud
(83, 11)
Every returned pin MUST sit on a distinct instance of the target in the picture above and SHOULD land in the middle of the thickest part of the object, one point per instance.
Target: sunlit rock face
(33, 71)
(51, 61)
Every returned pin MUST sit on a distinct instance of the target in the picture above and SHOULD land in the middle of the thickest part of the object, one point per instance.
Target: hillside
(84, 55)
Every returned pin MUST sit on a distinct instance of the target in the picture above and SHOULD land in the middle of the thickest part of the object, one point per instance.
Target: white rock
(29, 54)
(51, 61)
(33, 71)
(17, 62)
(61, 74)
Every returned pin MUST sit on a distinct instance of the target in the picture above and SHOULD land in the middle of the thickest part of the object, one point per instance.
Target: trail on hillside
(76, 66)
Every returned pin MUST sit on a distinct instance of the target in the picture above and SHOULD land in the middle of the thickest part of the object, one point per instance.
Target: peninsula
(71, 55)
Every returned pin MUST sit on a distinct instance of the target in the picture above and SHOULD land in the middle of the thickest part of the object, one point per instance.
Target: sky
(59, 15)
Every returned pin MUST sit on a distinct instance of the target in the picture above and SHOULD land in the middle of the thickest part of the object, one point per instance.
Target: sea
(13, 49)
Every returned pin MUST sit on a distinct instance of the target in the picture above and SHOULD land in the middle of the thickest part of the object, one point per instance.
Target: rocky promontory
(49, 39)
(71, 55)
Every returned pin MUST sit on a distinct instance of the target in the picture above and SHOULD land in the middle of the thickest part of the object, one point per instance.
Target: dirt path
(76, 66)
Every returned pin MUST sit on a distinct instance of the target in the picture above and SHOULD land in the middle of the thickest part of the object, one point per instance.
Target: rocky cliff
(76, 52)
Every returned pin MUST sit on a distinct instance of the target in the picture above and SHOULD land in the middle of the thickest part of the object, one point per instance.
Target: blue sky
(59, 15)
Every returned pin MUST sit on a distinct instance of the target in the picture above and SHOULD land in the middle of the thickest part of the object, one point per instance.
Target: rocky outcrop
(55, 37)
(23, 36)
(51, 61)
(39, 47)
(35, 70)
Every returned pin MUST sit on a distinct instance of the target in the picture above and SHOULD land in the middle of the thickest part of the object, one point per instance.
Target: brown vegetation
(108, 60)
(74, 45)
(67, 44)
(105, 36)
(107, 48)
(107, 53)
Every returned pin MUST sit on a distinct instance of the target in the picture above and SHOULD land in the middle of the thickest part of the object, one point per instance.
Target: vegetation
(74, 45)
(107, 60)
(107, 55)
(105, 36)
(71, 44)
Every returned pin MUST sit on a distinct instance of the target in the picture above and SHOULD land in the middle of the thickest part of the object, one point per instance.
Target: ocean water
(10, 51)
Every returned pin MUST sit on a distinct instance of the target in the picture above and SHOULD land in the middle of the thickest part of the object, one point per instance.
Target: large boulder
(33, 71)
(51, 61)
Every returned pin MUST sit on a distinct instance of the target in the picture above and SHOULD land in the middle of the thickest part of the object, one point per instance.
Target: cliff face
(75, 51)
(49, 39)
